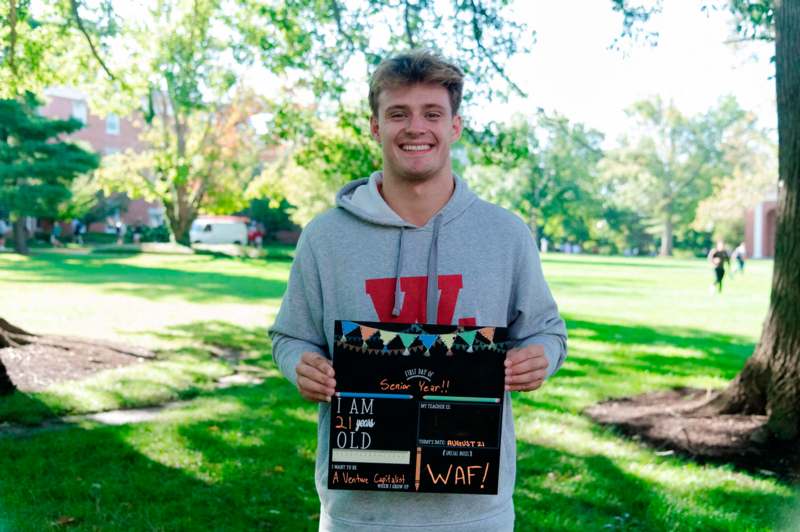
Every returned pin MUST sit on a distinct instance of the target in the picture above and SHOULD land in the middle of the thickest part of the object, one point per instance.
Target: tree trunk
(20, 236)
(770, 381)
(666, 238)
(10, 336)
(6, 386)
(180, 222)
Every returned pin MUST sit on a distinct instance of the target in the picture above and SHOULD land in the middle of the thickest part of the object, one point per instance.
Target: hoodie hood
(363, 200)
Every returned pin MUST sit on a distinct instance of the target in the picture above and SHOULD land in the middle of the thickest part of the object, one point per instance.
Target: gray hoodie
(473, 263)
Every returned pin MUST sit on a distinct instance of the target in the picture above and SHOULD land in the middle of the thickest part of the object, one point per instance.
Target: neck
(417, 201)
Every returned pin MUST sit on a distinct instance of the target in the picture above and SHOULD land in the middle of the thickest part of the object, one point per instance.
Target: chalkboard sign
(417, 407)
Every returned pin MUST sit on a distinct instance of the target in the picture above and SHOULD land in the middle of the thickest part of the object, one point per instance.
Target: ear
(457, 128)
(374, 129)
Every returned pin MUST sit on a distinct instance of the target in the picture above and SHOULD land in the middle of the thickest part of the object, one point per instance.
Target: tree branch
(478, 34)
(95, 53)
(407, 21)
(12, 36)
(764, 38)
(337, 16)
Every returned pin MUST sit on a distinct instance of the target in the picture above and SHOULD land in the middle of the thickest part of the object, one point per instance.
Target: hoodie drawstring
(433, 288)
(433, 278)
(397, 272)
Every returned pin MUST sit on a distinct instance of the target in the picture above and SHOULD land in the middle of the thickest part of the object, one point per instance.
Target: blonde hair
(416, 66)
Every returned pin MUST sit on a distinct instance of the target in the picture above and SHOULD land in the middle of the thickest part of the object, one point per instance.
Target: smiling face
(415, 127)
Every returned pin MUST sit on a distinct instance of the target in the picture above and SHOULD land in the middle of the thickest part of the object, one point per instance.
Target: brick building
(759, 228)
(106, 135)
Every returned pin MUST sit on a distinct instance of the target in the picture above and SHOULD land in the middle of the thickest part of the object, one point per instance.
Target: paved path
(126, 416)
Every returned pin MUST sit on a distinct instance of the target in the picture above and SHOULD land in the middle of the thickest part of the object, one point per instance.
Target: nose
(416, 125)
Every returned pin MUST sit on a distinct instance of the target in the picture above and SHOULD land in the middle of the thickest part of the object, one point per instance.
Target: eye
(395, 115)
(433, 115)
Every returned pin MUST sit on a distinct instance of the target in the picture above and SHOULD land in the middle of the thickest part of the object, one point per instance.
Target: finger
(314, 374)
(523, 378)
(324, 365)
(524, 388)
(311, 387)
(517, 355)
(317, 397)
(513, 356)
(529, 364)
(319, 362)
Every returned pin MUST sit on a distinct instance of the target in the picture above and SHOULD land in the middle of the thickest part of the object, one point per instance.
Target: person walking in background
(120, 229)
(137, 234)
(77, 231)
(3, 231)
(80, 229)
(55, 235)
(718, 257)
(739, 253)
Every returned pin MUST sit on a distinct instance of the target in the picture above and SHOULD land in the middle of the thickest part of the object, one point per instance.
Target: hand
(315, 379)
(526, 368)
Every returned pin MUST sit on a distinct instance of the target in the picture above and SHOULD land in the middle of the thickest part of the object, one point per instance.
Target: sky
(572, 70)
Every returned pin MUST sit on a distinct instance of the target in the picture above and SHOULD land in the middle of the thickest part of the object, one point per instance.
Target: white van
(219, 230)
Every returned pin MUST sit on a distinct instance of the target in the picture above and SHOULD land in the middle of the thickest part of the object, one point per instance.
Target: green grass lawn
(242, 458)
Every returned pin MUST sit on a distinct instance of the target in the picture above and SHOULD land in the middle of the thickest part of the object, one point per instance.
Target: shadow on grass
(663, 350)
(243, 458)
(148, 282)
(203, 352)
(250, 342)
(557, 490)
(24, 408)
(614, 360)
(237, 459)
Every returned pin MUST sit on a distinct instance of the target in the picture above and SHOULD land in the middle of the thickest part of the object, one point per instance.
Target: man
(413, 244)
(718, 257)
(739, 253)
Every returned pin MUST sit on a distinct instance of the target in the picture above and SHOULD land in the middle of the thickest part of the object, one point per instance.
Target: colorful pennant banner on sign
(348, 327)
(425, 340)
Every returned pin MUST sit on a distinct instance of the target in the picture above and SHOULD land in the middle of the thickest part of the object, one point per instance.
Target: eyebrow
(406, 107)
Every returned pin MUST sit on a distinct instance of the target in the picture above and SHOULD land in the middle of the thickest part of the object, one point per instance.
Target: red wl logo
(415, 299)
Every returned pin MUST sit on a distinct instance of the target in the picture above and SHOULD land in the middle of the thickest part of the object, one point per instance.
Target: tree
(752, 158)
(203, 160)
(544, 170)
(668, 165)
(328, 156)
(190, 54)
(52, 42)
(89, 204)
(769, 383)
(36, 168)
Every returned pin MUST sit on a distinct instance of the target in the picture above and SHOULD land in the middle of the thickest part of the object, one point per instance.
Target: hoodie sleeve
(299, 324)
(534, 317)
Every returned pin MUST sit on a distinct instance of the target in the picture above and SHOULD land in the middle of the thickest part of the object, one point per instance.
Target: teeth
(417, 147)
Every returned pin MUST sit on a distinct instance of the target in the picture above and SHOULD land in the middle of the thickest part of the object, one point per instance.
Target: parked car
(219, 230)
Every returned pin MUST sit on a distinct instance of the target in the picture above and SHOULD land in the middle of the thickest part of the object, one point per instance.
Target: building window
(80, 111)
(156, 216)
(112, 124)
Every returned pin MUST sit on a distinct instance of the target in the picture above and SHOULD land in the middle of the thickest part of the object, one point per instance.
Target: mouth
(416, 148)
